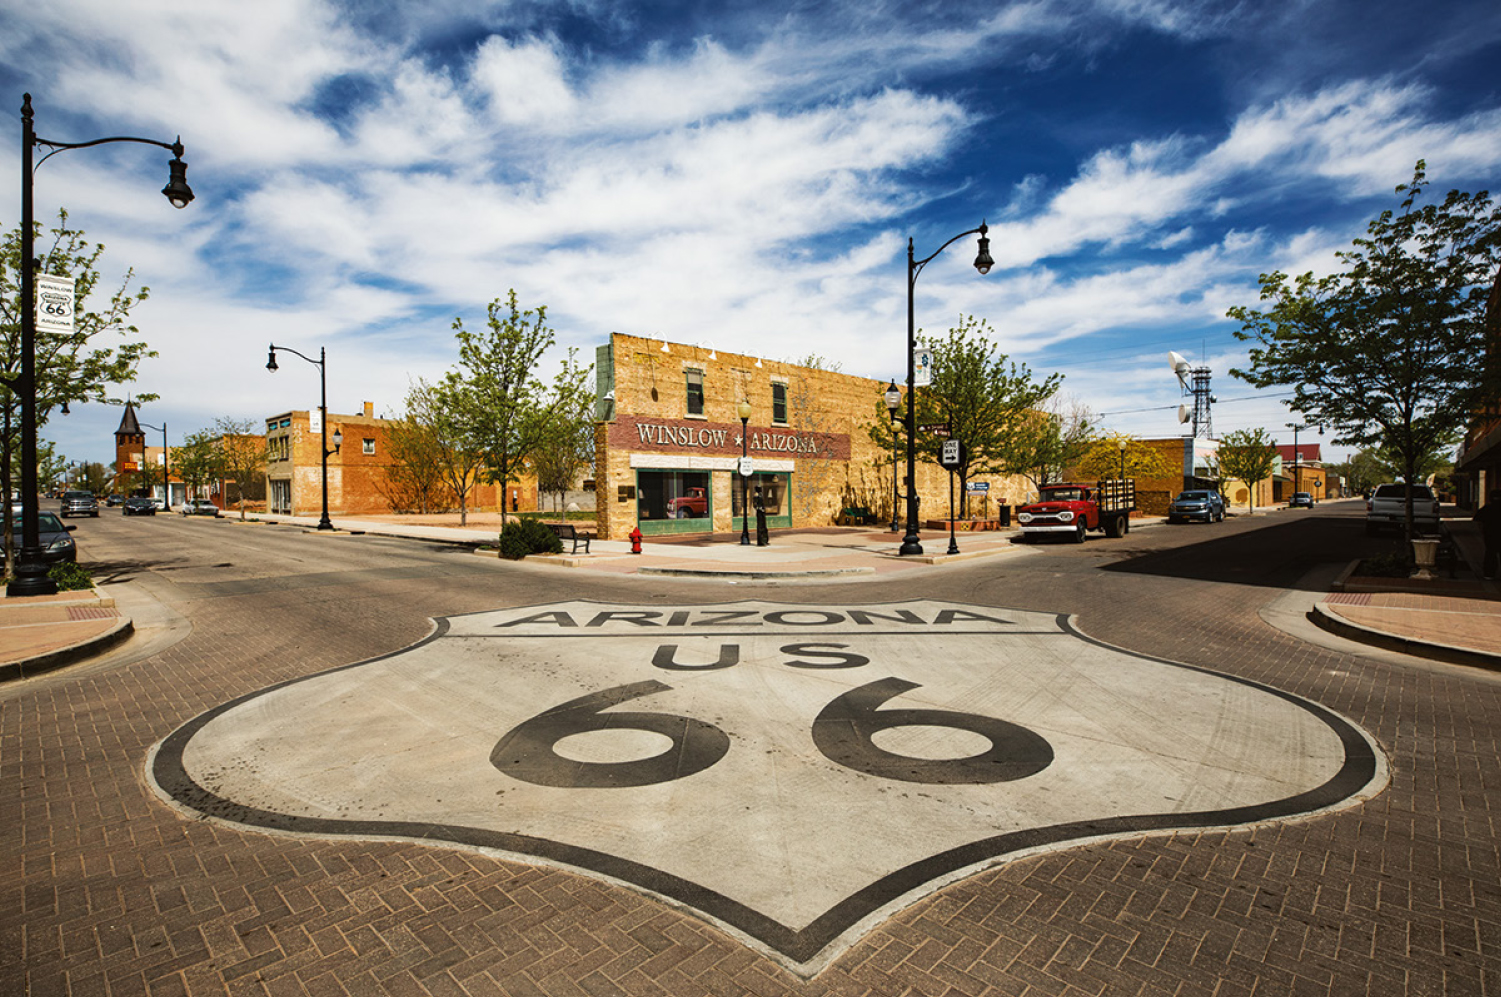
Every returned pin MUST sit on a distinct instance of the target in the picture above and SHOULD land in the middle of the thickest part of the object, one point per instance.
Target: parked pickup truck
(694, 505)
(1070, 510)
(1387, 507)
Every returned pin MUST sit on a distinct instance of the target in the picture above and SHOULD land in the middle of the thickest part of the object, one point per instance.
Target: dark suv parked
(79, 504)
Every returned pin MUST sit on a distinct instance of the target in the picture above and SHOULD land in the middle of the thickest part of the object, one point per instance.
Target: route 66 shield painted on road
(793, 772)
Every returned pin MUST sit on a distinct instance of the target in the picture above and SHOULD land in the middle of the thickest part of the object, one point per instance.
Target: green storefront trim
(705, 524)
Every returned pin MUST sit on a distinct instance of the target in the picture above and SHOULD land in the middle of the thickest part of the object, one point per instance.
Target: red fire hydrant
(636, 540)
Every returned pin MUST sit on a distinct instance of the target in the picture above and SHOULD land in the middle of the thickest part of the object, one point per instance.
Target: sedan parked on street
(1301, 500)
(199, 507)
(139, 505)
(57, 545)
(1201, 504)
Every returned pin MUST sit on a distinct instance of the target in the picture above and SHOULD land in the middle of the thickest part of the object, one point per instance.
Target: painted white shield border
(999, 663)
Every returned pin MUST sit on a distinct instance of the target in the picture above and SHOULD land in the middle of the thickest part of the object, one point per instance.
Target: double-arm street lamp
(1296, 427)
(911, 543)
(31, 570)
(323, 523)
(166, 467)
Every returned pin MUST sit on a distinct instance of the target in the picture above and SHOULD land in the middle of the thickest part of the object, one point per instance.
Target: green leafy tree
(1105, 457)
(100, 352)
(1389, 351)
(198, 461)
(494, 392)
(1249, 455)
(990, 401)
(1363, 471)
(568, 429)
(415, 479)
(242, 458)
(452, 420)
(1064, 436)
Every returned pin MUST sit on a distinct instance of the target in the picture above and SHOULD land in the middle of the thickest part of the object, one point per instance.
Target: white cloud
(525, 83)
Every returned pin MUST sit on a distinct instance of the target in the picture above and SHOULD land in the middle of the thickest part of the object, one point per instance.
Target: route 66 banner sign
(794, 773)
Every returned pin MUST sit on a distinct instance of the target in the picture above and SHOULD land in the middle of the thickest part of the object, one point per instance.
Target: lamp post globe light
(31, 576)
(894, 402)
(912, 542)
(744, 411)
(324, 523)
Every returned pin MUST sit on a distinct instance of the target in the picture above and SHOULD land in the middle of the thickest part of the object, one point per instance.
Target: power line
(1221, 401)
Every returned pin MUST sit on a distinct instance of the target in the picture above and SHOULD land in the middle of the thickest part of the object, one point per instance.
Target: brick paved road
(108, 891)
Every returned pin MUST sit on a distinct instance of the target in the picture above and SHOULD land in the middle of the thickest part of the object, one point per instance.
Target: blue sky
(738, 176)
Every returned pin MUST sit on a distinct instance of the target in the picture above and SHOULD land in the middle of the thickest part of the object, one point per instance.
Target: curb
(68, 655)
(1324, 619)
(754, 575)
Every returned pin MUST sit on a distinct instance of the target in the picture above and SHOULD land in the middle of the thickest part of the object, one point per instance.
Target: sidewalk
(1455, 619)
(39, 633)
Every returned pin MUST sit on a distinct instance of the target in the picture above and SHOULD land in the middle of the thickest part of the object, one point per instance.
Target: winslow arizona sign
(795, 773)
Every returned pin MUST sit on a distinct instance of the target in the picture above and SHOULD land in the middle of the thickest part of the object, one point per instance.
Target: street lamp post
(893, 402)
(31, 570)
(744, 411)
(912, 543)
(1296, 427)
(321, 363)
(1122, 443)
(166, 466)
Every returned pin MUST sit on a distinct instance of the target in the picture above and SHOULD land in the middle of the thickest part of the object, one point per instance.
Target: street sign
(936, 428)
(951, 455)
(747, 466)
(54, 304)
(977, 487)
(922, 368)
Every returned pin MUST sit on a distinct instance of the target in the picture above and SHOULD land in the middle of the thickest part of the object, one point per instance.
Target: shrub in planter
(70, 577)
(528, 536)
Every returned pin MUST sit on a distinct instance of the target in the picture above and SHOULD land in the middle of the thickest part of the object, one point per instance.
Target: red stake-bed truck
(1068, 510)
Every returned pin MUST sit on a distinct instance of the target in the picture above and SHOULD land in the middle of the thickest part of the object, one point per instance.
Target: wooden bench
(565, 531)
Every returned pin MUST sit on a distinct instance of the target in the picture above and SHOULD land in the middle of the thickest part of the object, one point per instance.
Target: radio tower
(1203, 426)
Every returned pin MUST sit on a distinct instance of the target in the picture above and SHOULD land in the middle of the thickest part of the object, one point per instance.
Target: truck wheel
(1079, 533)
(1115, 527)
(680, 514)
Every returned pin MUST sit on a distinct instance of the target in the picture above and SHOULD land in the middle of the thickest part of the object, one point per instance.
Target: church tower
(130, 451)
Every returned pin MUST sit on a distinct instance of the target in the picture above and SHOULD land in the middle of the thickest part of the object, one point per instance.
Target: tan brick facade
(807, 426)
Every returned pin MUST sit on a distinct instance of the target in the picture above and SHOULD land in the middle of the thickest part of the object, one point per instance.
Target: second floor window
(778, 404)
(370, 446)
(695, 392)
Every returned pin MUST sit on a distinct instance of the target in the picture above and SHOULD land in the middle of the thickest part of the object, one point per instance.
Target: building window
(778, 404)
(695, 392)
(369, 446)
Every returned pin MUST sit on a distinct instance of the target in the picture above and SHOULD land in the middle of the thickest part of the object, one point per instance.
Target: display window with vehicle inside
(673, 501)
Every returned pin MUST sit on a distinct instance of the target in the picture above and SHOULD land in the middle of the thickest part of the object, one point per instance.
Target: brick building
(1478, 469)
(668, 442)
(358, 478)
(1302, 471)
